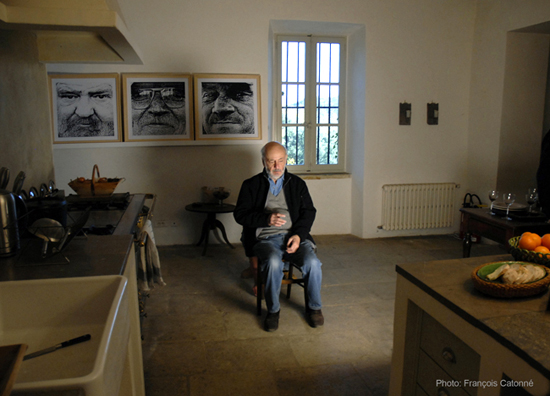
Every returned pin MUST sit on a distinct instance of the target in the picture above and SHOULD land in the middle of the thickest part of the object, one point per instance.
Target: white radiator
(417, 206)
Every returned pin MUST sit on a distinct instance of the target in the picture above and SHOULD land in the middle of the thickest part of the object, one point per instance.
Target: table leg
(204, 232)
(219, 224)
(210, 224)
(466, 245)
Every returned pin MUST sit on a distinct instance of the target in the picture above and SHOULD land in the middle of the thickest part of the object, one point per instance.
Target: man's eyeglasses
(143, 97)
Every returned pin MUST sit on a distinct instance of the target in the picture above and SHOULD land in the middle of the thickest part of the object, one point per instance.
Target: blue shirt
(276, 187)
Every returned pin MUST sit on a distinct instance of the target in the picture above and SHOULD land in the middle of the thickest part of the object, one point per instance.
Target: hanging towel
(149, 264)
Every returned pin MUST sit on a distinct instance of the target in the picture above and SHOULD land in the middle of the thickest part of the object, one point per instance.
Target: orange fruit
(542, 249)
(537, 238)
(529, 241)
(545, 240)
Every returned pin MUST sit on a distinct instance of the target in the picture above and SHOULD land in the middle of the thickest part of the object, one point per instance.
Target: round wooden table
(211, 223)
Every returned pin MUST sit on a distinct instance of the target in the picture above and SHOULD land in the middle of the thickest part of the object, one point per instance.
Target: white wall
(25, 137)
(495, 18)
(522, 112)
(419, 51)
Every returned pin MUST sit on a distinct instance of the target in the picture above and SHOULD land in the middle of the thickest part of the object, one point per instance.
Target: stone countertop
(88, 256)
(91, 255)
(520, 324)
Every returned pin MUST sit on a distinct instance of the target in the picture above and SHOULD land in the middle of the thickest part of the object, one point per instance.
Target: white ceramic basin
(43, 313)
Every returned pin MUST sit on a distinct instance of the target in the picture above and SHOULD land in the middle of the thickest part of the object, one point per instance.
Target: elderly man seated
(277, 213)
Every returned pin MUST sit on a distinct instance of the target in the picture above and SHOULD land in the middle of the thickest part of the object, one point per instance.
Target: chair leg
(306, 299)
(290, 274)
(259, 294)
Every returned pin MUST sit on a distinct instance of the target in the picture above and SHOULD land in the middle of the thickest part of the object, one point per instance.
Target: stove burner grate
(114, 201)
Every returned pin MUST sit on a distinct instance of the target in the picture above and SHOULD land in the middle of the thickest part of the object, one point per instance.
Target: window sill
(319, 176)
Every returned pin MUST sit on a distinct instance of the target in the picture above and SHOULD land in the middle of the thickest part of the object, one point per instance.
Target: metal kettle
(10, 204)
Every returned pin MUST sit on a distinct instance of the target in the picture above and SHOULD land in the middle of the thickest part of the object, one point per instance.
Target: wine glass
(509, 199)
(493, 195)
(532, 198)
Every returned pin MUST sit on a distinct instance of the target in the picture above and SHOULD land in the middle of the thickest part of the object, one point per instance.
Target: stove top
(114, 201)
(105, 211)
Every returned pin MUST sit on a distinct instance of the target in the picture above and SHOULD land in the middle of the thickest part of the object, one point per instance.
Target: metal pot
(10, 206)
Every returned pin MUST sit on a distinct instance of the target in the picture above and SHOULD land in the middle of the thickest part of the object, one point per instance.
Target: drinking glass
(509, 199)
(532, 198)
(493, 195)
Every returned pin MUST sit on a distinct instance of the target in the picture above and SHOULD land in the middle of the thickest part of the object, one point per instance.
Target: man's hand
(293, 244)
(276, 220)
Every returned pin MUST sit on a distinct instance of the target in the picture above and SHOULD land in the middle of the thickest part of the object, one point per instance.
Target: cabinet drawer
(448, 351)
(420, 391)
(434, 380)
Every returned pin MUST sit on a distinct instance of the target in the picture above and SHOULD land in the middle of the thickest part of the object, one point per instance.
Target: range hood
(73, 31)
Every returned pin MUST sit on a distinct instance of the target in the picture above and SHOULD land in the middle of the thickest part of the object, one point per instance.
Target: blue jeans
(270, 254)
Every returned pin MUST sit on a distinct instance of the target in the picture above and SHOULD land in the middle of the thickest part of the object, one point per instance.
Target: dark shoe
(315, 317)
(271, 321)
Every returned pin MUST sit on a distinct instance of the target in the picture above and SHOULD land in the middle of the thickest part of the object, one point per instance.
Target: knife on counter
(54, 348)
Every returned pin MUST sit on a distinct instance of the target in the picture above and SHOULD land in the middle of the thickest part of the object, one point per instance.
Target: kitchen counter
(511, 336)
(88, 256)
(92, 255)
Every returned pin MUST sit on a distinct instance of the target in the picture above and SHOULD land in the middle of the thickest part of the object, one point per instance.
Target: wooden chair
(289, 279)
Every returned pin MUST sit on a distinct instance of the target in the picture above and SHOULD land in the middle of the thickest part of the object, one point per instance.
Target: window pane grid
(294, 141)
(318, 125)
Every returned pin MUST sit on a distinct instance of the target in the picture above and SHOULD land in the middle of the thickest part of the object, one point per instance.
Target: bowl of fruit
(531, 247)
(96, 186)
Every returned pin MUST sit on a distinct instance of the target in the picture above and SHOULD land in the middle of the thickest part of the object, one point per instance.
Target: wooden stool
(289, 279)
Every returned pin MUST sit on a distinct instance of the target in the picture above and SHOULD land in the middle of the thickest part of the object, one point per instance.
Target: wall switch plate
(433, 113)
(405, 113)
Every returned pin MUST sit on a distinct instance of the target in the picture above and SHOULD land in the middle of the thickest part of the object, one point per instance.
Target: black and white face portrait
(85, 108)
(158, 108)
(227, 108)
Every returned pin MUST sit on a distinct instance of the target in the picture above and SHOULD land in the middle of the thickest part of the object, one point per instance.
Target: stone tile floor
(202, 336)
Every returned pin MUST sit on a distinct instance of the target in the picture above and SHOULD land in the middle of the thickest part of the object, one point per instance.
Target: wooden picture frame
(157, 106)
(85, 107)
(227, 106)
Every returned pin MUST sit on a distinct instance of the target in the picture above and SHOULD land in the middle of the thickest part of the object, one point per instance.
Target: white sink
(43, 313)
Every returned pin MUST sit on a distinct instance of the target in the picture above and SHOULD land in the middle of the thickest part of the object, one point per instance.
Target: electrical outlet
(161, 223)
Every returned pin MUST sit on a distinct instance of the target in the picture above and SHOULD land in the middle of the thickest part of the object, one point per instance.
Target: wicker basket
(527, 255)
(95, 186)
(503, 290)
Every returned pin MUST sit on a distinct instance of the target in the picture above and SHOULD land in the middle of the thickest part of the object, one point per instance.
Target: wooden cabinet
(444, 360)
(441, 347)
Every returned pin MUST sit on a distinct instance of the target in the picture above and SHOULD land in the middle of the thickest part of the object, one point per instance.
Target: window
(309, 119)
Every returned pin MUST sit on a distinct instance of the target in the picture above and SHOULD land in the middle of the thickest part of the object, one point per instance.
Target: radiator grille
(418, 206)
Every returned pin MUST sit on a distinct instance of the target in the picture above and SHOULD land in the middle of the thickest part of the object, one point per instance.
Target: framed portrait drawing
(85, 107)
(227, 106)
(157, 107)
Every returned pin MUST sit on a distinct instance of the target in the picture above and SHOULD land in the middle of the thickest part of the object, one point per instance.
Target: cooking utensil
(18, 183)
(33, 193)
(44, 191)
(49, 230)
(54, 348)
(4, 178)
(51, 187)
(23, 195)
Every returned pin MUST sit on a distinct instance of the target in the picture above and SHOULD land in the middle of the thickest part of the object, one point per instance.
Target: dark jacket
(250, 209)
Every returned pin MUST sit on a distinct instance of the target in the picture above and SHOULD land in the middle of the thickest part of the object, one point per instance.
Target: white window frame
(310, 165)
